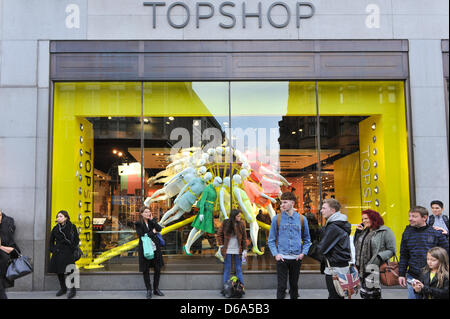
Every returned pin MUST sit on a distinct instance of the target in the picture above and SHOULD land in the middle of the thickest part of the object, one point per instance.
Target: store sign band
(207, 10)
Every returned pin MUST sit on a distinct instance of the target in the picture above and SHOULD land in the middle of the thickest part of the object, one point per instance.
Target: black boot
(62, 284)
(158, 292)
(149, 294)
(72, 293)
(61, 292)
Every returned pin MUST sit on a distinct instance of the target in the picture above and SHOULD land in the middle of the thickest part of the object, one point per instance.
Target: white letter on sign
(73, 17)
(373, 19)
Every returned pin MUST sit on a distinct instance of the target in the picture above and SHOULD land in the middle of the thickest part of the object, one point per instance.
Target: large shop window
(118, 146)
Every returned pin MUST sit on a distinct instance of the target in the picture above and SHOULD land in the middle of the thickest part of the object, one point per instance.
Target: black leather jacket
(335, 244)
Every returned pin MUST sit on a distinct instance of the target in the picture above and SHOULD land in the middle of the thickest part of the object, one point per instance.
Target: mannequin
(172, 187)
(247, 208)
(256, 194)
(186, 198)
(225, 198)
(204, 221)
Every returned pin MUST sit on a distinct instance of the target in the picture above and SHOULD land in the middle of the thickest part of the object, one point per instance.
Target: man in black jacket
(335, 243)
(417, 239)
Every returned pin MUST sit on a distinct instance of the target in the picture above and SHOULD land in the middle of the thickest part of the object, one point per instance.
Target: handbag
(389, 273)
(147, 246)
(19, 267)
(347, 284)
(162, 243)
(77, 253)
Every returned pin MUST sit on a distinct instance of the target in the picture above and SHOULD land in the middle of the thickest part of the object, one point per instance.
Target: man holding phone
(417, 239)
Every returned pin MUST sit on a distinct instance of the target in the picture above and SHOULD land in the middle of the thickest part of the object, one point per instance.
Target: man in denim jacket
(289, 244)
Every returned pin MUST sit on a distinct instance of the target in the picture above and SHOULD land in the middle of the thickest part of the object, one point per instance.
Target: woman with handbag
(147, 225)
(8, 251)
(374, 245)
(64, 242)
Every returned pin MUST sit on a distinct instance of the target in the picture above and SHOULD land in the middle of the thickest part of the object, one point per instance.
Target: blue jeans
(411, 294)
(227, 267)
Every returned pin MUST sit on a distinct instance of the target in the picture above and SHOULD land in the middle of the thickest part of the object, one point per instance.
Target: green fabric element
(206, 208)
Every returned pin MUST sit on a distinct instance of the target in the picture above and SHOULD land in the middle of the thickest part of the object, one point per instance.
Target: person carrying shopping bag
(148, 226)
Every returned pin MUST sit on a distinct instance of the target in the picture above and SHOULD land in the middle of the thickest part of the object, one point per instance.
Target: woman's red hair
(374, 217)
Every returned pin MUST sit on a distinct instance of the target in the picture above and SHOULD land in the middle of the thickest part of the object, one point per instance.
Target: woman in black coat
(63, 242)
(8, 251)
(149, 225)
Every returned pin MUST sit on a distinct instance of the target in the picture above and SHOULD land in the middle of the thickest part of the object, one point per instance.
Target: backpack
(233, 288)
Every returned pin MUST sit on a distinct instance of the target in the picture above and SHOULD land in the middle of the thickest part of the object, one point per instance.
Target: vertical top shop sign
(73, 188)
(372, 164)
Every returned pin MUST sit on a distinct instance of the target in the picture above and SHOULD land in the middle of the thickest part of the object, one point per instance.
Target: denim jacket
(290, 236)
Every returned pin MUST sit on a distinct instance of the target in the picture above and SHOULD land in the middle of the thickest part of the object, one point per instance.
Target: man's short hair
(289, 196)
(333, 203)
(437, 202)
(419, 209)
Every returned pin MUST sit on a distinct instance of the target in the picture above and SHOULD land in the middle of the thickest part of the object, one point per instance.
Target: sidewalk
(191, 294)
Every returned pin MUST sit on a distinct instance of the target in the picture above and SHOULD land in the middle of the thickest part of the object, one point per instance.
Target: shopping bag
(147, 246)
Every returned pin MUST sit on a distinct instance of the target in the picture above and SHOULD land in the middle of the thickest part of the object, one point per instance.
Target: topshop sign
(278, 14)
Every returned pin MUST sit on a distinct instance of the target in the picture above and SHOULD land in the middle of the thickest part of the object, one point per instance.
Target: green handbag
(147, 245)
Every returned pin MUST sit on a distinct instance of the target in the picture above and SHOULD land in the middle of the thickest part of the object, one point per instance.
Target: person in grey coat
(374, 245)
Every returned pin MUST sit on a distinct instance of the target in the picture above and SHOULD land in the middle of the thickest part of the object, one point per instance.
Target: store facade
(120, 113)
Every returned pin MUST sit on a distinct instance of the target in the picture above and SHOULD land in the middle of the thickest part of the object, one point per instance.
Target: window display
(192, 151)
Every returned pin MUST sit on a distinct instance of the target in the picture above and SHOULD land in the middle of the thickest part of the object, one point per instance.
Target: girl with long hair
(433, 283)
(148, 224)
(64, 240)
(232, 239)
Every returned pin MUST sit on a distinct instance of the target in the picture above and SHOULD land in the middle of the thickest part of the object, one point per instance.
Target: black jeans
(62, 281)
(288, 268)
(332, 294)
(156, 276)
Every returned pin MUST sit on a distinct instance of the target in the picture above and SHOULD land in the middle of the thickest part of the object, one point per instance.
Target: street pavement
(259, 294)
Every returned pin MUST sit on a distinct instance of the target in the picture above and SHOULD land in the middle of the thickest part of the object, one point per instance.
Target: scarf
(363, 249)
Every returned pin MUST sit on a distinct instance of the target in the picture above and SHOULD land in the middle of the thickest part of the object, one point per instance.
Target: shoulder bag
(19, 267)
(77, 253)
(162, 243)
(347, 284)
(389, 273)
